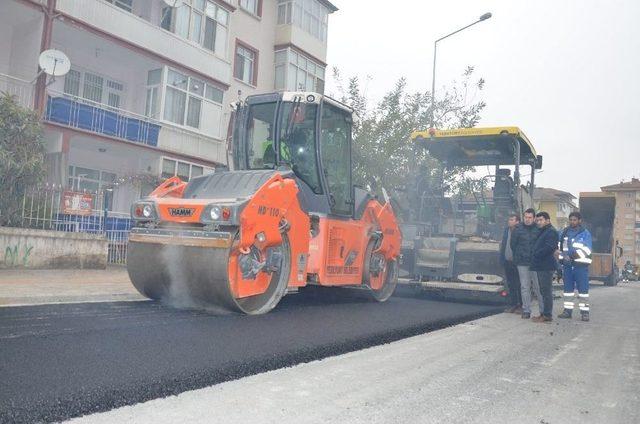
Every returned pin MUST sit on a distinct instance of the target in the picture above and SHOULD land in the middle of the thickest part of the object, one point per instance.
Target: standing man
(522, 239)
(543, 262)
(510, 269)
(575, 255)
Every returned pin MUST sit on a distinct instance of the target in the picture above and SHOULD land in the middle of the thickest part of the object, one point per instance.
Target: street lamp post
(433, 76)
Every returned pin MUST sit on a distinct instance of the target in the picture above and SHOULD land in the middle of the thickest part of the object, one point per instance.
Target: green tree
(382, 150)
(22, 156)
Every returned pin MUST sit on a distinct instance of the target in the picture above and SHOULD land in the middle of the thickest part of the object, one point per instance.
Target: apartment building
(626, 229)
(151, 83)
(557, 203)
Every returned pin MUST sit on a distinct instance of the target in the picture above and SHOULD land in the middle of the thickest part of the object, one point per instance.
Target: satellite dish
(54, 62)
(174, 3)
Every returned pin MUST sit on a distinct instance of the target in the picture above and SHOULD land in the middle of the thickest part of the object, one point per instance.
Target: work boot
(565, 314)
(585, 316)
(525, 315)
(539, 318)
(547, 319)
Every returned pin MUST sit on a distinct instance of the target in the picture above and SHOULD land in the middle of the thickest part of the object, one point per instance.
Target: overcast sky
(566, 72)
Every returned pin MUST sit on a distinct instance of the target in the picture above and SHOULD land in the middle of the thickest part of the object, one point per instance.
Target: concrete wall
(27, 248)
(259, 33)
(135, 30)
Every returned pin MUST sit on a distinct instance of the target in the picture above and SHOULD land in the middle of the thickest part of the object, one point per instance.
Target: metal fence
(55, 208)
(21, 89)
(87, 115)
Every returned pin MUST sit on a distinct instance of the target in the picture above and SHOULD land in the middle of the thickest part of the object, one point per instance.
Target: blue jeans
(576, 277)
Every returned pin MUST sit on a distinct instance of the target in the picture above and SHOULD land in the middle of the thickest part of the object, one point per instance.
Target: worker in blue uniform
(575, 256)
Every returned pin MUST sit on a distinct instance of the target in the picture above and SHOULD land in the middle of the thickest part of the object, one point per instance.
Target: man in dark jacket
(543, 262)
(510, 269)
(522, 239)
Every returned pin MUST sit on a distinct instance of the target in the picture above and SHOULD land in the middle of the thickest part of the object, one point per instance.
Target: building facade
(557, 203)
(151, 83)
(626, 230)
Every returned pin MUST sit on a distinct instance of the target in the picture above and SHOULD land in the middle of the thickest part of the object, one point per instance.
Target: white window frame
(205, 169)
(251, 59)
(162, 90)
(154, 110)
(212, 11)
(251, 6)
(106, 90)
(73, 182)
(298, 63)
(126, 5)
(309, 15)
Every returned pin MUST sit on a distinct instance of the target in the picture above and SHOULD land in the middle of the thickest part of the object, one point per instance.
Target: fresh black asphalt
(62, 361)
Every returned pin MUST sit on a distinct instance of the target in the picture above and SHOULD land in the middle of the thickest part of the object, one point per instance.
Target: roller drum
(190, 276)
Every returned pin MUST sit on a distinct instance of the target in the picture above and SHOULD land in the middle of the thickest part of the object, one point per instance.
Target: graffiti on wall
(17, 255)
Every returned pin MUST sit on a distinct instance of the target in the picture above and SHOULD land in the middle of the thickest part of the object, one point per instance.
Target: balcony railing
(22, 90)
(102, 119)
(86, 115)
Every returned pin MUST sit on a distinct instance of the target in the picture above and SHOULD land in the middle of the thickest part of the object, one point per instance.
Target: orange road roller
(287, 216)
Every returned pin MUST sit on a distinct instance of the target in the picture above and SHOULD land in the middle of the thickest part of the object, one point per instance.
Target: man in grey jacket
(510, 270)
(522, 241)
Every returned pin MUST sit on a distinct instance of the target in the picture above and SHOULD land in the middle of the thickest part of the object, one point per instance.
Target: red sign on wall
(74, 203)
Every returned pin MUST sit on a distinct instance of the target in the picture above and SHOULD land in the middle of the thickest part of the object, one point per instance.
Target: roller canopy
(478, 146)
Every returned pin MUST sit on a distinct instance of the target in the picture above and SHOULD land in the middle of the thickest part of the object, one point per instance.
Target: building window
(310, 15)
(93, 181)
(246, 63)
(201, 21)
(154, 85)
(184, 170)
(188, 101)
(252, 6)
(95, 88)
(123, 4)
(297, 72)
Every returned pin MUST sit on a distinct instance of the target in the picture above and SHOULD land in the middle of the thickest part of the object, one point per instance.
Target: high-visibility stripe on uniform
(586, 250)
(582, 252)
(565, 294)
(569, 305)
(584, 308)
(583, 294)
(583, 260)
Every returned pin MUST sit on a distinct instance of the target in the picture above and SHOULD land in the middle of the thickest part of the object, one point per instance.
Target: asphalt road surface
(498, 369)
(63, 361)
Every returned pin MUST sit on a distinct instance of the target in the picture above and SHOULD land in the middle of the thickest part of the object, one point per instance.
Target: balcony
(291, 34)
(97, 118)
(20, 89)
(140, 32)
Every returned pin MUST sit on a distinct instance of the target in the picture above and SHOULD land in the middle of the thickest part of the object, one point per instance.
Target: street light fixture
(433, 76)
